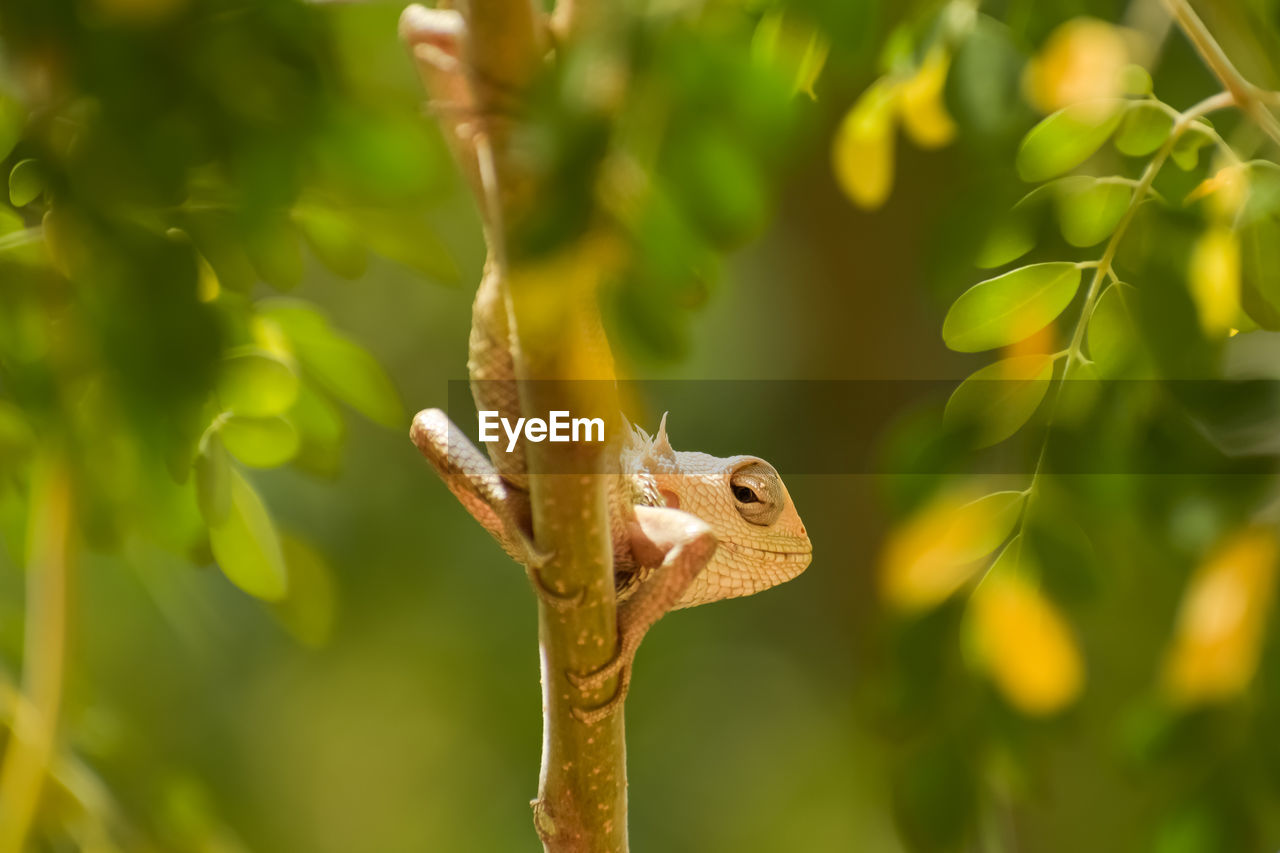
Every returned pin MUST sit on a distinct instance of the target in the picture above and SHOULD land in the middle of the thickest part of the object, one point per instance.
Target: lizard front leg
(679, 545)
(501, 508)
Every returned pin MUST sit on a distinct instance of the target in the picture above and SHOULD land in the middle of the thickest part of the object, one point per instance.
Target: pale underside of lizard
(687, 528)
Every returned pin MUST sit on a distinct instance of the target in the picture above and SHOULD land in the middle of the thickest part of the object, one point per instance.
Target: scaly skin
(687, 528)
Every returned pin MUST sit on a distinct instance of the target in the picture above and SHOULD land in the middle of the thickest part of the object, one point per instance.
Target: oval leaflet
(1010, 307)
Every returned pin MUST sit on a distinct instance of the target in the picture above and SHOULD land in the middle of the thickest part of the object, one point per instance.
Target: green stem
(1251, 99)
(1103, 269)
(554, 317)
(35, 723)
(582, 787)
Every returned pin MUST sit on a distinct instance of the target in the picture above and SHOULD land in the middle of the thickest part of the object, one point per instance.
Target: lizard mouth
(770, 554)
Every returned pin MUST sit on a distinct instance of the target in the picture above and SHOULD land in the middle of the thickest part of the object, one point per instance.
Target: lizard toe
(591, 716)
(555, 600)
(596, 679)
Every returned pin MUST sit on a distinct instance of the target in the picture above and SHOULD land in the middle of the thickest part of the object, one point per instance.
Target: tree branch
(581, 805)
(1251, 99)
(562, 363)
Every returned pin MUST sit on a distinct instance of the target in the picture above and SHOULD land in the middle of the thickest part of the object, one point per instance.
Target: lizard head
(762, 541)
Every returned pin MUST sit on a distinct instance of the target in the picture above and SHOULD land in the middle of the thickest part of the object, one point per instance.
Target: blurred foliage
(219, 211)
(166, 161)
(1163, 295)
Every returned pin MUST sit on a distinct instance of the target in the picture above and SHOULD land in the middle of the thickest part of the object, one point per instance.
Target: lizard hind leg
(680, 545)
(501, 509)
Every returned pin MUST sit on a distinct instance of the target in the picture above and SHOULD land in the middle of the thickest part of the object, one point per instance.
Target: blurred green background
(190, 161)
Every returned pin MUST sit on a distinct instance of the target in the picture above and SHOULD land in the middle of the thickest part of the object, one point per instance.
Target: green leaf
(310, 609)
(321, 431)
(1259, 261)
(26, 182)
(1089, 209)
(812, 61)
(407, 238)
(993, 518)
(1009, 239)
(216, 236)
(1135, 80)
(1112, 333)
(1009, 559)
(339, 365)
(1186, 150)
(1259, 230)
(212, 475)
(983, 87)
(1263, 200)
(1145, 128)
(718, 185)
(12, 119)
(335, 242)
(1001, 397)
(792, 47)
(17, 438)
(276, 252)
(1014, 234)
(1067, 138)
(256, 383)
(246, 544)
(943, 545)
(1010, 307)
(260, 442)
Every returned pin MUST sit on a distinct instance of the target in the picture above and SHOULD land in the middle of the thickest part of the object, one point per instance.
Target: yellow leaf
(936, 551)
(1218, 635)
(1214, 278)
(863, 151)
(1084, 59)
(1225, 191)
(924, 116)
(1025, 645)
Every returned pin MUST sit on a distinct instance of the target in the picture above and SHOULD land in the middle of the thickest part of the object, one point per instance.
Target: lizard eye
(757, 493)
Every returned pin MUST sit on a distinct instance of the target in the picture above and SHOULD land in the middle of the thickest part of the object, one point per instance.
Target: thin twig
(1251, 99)
(35, 722)
(1103, 269)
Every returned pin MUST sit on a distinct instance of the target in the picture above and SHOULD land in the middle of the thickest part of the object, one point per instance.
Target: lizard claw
(556, 600)
(591, 716)
(526, 551)
(596, 679)
(533, 556)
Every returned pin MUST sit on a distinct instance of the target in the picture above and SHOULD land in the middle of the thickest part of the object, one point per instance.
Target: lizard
(687, 528)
